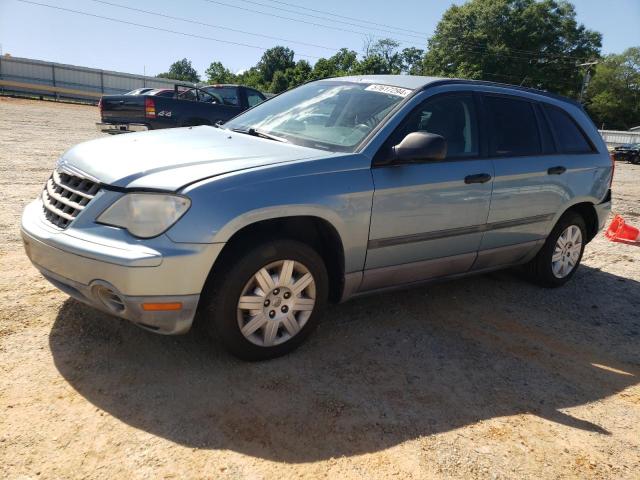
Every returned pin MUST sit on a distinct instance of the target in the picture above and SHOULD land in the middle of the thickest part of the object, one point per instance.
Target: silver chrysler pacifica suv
(334, 189)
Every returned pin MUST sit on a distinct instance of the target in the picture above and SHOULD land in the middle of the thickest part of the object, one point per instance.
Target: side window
(254, 98)
(513, 129)
(228, 94)
(189, 94)
(451, 116)
(205, 97)
(570, 137)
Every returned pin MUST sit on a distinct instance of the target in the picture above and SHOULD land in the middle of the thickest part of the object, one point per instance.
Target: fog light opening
(109, 298)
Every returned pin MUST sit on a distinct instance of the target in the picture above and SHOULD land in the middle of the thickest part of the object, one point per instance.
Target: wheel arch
(314, 231)
(588, 212)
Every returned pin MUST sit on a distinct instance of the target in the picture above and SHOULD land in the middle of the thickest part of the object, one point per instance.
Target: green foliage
(344, 62)
(273, 60)
(536, 43)
(218, 73)
(383, 57)
(613, 96)
(279, 82)
(181, 70)
(412, 60)
(529, 42)
(251, 78)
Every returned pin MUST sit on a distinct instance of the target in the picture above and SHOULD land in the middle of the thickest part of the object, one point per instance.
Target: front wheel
(265, 302)
(561, 253)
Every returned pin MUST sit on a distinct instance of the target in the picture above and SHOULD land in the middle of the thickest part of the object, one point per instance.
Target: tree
(344, 62)
(218, 73)
(529, 42)
(181, 70)
(381, 57)
(273, 60)
(251, 78)
(279, 82)
(298, 75)
(613, 97)
(412, 59)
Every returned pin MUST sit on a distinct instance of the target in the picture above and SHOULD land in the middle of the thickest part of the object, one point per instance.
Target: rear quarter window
(569, 136)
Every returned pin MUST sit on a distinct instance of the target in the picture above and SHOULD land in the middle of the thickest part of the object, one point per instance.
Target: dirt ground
(487, 377)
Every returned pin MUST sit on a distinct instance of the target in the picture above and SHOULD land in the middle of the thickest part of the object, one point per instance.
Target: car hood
(171, 158)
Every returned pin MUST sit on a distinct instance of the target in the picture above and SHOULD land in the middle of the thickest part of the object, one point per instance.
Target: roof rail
(504, 85)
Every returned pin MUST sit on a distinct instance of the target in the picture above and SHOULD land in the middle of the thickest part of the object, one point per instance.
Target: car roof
(411, 82)
(418, 82)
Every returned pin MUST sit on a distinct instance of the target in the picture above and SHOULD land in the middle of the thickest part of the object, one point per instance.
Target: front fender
(338, 190)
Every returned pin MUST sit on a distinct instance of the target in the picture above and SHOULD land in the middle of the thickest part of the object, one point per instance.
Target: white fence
(35, 77)
(615, 137)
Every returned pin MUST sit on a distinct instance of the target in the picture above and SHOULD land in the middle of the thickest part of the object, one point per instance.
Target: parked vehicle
(629, 152)
(184, 106)
(338, 188)
(139, 91)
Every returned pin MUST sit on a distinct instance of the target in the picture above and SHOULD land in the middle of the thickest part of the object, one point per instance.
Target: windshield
(331, 115)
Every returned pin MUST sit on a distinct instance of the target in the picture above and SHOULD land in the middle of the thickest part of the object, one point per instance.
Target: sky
(35, 31)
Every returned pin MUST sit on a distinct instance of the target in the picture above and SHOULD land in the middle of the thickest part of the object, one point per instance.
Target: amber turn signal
(159, 307)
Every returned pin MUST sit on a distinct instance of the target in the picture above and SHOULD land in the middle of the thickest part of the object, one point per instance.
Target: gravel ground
(487, 377)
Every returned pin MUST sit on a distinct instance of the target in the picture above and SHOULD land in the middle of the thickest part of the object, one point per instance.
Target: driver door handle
(477, 178)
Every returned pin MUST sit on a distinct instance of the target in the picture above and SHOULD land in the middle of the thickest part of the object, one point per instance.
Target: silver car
(335, 189)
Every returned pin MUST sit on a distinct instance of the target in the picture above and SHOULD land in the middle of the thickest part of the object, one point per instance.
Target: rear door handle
(477, 178)
(559, 170)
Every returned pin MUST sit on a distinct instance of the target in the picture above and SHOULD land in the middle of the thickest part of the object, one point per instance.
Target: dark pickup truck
(187, 106)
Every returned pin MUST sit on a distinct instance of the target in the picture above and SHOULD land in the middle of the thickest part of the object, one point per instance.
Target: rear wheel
(560, 256)
(266, 301)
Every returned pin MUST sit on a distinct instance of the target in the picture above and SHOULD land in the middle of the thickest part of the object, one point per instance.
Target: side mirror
(420, 147)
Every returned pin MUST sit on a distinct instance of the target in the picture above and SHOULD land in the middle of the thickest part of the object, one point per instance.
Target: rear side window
(569, 136)
(514, 130)
(254, 98)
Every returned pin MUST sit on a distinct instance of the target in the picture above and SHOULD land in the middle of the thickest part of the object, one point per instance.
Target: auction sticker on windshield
(388, 89)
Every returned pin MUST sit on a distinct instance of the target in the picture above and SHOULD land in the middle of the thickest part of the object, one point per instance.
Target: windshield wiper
(258, 133)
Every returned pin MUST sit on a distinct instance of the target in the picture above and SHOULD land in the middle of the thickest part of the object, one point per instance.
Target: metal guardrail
(27, 76)
(619, 137)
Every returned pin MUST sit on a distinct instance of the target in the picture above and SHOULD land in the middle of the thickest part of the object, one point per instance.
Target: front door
(427, 218)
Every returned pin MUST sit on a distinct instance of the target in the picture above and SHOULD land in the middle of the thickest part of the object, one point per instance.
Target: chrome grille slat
(65, 196)
(88, 195)
(60, 198)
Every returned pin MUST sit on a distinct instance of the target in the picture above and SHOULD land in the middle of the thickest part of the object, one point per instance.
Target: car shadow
(379, 371)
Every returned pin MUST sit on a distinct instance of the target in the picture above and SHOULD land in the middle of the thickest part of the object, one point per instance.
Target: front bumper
(119, 277)
(121, 127)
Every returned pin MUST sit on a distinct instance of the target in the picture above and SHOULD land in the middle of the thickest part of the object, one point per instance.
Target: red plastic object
(619, 231)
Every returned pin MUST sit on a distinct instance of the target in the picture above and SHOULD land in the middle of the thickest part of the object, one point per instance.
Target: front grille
(65, 196)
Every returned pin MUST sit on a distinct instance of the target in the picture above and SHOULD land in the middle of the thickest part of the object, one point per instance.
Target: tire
(239, 276)
(542, 269)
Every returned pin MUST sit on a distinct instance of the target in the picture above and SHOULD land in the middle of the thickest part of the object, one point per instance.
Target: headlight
(145, 215)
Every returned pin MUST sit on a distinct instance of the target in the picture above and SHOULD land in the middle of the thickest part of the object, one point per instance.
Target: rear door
(427, 218)
(528, 189)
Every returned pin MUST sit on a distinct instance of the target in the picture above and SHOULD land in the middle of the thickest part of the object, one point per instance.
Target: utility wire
(348, 18)
(310, 15)
(299, 20)
(530, 53)
(196, 22)
(150, 27)
(228, 42)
